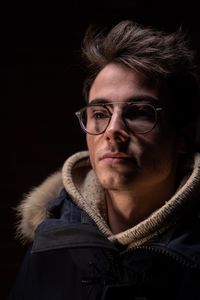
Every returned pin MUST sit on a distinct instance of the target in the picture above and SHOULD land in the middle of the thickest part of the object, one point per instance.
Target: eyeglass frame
(105, 104)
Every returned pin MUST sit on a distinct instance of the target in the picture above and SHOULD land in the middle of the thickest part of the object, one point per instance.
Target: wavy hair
(165, 58)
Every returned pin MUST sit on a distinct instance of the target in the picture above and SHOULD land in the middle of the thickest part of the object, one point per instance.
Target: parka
(72, 254)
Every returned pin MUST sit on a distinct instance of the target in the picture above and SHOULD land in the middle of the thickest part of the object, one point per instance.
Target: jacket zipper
(158, 250)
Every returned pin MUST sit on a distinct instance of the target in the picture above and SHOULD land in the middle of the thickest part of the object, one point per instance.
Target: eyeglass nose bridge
(117, 117)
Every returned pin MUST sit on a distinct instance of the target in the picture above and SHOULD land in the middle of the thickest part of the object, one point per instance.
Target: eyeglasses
(140, 117)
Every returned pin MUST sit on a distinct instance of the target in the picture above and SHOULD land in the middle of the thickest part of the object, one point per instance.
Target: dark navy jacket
(71, 259)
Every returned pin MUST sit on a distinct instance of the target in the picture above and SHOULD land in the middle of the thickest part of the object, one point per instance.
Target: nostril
(117, 132)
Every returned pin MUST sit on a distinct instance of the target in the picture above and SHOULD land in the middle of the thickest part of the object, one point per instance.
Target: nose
(117, 129)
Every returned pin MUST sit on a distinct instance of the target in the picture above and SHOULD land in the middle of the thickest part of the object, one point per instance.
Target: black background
(41, 79)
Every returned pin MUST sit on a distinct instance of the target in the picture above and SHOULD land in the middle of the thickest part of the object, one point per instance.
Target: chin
(115, 181)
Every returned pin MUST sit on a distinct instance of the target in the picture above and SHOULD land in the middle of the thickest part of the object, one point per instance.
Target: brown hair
(162, 57)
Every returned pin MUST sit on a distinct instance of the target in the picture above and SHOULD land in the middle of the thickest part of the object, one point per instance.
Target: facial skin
(122, 160)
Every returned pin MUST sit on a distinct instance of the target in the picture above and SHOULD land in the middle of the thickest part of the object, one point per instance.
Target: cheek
(145, 144)
(91, 148)
(158, 137)
(155, 146)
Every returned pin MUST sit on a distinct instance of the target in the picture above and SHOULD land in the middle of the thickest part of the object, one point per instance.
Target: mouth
(113, 157)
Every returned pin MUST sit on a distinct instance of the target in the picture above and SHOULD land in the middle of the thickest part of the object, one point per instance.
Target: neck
(128, 208)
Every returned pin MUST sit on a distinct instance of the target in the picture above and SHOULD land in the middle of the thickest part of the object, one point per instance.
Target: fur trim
(33, 209)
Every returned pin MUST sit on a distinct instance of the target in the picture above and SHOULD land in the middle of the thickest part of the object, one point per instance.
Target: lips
(118, 160)
(113, 155)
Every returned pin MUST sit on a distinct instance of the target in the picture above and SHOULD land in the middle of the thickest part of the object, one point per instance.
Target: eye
(98, 113)
(139, 112)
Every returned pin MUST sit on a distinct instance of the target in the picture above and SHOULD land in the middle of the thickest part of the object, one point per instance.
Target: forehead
(117, 82)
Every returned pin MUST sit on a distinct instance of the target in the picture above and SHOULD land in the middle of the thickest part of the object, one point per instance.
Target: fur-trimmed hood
(81, 183)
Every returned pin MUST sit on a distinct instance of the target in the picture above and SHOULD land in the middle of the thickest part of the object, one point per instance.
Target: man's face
(121, 158)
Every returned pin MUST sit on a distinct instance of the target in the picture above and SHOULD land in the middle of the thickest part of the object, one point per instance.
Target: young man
(123, 219)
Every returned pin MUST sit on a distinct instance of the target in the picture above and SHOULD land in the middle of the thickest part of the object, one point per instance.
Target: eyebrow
(137, 98)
